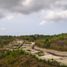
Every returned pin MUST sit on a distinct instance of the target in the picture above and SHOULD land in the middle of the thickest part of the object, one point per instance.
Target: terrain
(33, 51)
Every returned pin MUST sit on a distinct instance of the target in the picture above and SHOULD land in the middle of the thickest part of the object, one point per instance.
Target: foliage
(56, 42)
(19, 58)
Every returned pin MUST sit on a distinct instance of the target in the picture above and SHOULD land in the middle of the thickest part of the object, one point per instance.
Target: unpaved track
(53, 54)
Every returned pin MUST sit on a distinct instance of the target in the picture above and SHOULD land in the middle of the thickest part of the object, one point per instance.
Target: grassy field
(56, 42)
(19, 58)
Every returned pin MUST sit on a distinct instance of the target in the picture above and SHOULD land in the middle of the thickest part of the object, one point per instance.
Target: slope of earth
(19, 58)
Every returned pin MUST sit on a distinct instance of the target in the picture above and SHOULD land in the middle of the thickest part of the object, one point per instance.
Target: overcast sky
(22, 17)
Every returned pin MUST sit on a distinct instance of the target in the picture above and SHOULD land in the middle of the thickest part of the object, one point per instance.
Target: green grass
(20, 58)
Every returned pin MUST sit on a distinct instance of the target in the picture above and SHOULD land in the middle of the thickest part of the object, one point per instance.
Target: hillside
(56, 42)
(13, 51)
(19, 58)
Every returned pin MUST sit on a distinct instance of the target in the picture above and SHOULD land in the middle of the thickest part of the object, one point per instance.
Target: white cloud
(10, 17)
(53, 16)
(55, 10)
(56, 15)
(43, 22)
(3, 29)
(27, 2)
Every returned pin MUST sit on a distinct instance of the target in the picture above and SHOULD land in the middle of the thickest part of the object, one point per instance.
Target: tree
(47, 43)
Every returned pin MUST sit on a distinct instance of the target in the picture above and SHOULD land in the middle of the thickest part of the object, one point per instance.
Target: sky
(27, 17)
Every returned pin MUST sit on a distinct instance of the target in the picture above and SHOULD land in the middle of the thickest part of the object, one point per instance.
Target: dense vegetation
(19, 58)
(5, 40)
(56, 42)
